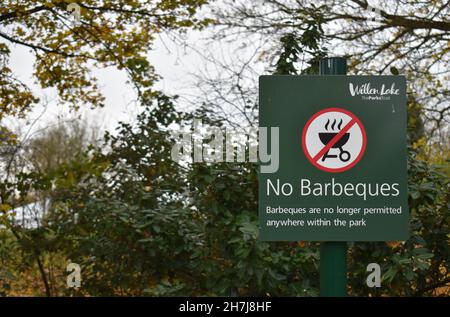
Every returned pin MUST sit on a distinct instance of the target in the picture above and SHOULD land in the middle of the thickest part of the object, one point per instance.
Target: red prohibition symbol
(334, 140)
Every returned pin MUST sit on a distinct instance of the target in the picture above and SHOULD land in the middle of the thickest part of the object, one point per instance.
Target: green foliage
(139, 223)
(232, 260)
(420, 265)
(309, 43)
(289, 55)
(131, 230)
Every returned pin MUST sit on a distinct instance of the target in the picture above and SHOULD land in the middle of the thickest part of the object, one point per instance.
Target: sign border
(341, 169)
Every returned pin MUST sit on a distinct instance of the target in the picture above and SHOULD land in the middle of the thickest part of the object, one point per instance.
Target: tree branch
(15, 14)
(37, 47)
(433, 286)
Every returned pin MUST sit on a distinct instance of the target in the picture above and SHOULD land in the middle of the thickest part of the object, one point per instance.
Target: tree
(401, 37)
(346, 28)
(67, 50)
(59, 144)
(193, 230)
(141, 224)
(124, 217)
(26, 187)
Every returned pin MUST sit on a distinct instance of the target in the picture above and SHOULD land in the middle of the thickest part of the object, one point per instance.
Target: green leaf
(425, 256)
(276, 275)
(415, 195)
(389, 275)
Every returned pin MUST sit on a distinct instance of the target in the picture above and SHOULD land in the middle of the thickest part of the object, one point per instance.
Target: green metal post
(333, 255)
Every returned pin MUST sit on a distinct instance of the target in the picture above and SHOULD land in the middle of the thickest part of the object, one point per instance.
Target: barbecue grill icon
(334, 140)
(326, 137)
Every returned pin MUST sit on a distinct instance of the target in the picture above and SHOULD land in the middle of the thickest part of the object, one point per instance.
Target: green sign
(342, 173)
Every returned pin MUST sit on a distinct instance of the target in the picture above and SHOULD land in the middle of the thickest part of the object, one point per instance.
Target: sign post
(333, 255)
(333, 163)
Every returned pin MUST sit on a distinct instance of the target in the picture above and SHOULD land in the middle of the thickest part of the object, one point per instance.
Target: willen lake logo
(367, 92)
